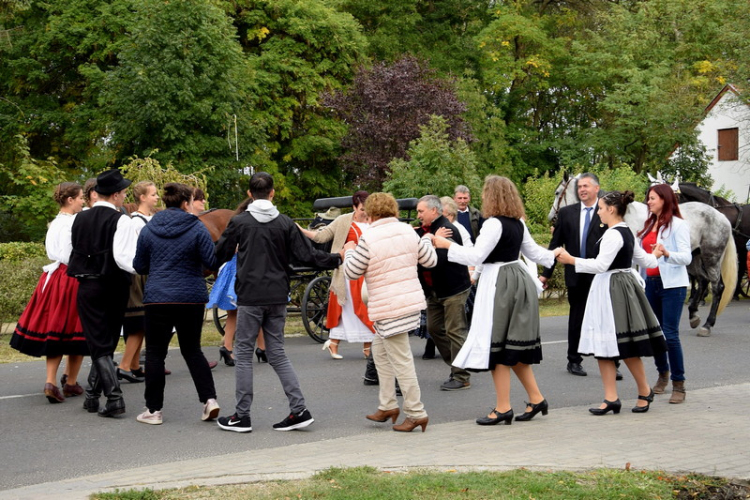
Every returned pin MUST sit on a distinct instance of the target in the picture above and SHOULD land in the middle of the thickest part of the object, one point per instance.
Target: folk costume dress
(619, 322)
(49, 326)
(350, 321)
(134, 322)
(505, 325)
(222, 293)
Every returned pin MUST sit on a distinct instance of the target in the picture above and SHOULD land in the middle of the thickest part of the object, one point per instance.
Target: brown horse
(216, 221)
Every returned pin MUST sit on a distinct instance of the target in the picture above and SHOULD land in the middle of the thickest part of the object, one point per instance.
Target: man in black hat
(104, 245)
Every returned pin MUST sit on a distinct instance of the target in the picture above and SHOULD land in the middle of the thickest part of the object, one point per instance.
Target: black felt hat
(111, 182)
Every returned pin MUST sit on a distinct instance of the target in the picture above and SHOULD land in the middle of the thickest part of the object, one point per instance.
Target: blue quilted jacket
(173, 250)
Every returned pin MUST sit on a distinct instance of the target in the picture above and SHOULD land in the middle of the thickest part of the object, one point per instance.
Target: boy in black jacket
(266, 242)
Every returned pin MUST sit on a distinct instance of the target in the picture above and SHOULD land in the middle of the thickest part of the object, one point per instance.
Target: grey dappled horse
(738, 216)
(714, 252)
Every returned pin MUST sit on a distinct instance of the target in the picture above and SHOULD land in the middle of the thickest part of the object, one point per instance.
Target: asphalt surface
(46, 443)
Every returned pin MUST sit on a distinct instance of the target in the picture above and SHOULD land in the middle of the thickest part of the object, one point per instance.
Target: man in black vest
(578, 228)
(103, 249)
(446, 287)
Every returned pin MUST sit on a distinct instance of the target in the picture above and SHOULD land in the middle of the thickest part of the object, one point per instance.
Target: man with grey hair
(469, 217)
(578, 228)
(446, 287)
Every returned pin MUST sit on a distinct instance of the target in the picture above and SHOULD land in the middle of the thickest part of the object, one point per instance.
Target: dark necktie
(586, 224)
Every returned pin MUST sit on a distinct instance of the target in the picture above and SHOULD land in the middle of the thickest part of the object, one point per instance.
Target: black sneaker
(298, 421)
(235, 423)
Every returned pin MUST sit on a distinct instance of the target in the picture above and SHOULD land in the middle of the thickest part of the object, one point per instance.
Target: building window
(728, 144)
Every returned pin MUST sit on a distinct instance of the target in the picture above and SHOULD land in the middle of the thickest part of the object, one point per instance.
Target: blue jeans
(667, 304)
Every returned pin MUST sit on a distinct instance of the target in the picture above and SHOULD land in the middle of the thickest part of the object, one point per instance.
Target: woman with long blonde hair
(504, 332)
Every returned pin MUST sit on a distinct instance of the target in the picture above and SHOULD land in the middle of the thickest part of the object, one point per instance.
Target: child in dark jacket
(173, 250)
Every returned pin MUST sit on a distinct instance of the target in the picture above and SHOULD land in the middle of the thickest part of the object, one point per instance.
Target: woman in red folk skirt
(49, 326)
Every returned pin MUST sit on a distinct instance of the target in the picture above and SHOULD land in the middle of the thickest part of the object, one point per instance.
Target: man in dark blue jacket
(266, 243)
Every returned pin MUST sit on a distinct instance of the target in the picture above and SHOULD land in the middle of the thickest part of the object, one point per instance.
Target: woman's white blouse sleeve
(58, 242)
(611, 244)
(536, 253)
(487, 240)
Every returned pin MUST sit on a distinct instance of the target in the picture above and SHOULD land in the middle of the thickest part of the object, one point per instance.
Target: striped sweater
(387, 256)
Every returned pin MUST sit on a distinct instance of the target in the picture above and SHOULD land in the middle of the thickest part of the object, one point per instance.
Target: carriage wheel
(220, 319)
(315, 308)
(745, 286)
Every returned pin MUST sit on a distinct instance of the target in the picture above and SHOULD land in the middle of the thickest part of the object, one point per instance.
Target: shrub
(19, 279)
(556, 283)
(16, 250)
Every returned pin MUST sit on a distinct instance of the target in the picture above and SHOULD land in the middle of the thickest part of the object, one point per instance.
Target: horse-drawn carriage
(308, 286)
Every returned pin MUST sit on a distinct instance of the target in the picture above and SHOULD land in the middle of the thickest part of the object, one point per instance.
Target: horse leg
(717, 289)
(695, 294)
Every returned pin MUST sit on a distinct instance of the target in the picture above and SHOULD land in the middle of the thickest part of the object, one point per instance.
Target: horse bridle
(560, 198)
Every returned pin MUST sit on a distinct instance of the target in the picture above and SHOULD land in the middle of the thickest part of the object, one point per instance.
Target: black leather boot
(111, 387)
(93, 391)
(371, 373)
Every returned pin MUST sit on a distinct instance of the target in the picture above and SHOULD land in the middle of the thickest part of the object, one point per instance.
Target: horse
(714, 253)
(216, 221)
(738, 216)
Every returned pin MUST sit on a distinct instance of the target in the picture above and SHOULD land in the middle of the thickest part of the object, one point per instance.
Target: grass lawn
(366, 483)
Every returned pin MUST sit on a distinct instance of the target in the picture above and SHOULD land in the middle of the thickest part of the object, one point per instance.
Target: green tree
(26, 205)
(180, 83)
(296, 51)
(149, 169)
(384, 109)
(434, 164)
(45, 93)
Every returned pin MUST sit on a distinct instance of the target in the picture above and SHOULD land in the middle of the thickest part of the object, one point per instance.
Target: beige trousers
(394, 360)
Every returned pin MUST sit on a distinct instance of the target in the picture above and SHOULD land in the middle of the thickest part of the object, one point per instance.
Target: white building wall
(729, 112)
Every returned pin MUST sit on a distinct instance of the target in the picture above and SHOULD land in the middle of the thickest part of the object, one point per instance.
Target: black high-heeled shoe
(613, 406)
(643, 409)
(226, 355)
(535, 408)
(261, 354)
(506, 417)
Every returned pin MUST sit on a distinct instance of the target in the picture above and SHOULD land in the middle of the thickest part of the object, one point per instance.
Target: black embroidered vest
(93, 235)
(508, 248)
(624, 258)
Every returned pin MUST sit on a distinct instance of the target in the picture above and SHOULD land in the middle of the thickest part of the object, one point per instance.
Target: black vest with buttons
(508, 248)
(93, 235)
(624, 258)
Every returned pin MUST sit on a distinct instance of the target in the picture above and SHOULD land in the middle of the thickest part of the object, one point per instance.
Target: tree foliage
(384, 109)
(224, 87)
(149, 169)
(434, 165)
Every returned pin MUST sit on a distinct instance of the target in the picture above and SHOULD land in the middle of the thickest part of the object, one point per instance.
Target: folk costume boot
(93, 391)
(371, 373)
(678, 392)
(111, 387)
(661, 383)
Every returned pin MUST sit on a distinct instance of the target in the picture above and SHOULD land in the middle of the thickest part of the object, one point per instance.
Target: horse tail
(728, 273)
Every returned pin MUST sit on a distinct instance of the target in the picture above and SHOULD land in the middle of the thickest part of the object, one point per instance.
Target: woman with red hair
(666, 285)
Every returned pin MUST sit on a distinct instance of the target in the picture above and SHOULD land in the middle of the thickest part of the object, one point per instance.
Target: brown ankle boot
(409, 425)
(678, 392)
(383, 415)
(661, 383)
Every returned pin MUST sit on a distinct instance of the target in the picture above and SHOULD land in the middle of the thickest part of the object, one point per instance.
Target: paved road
(62, 444)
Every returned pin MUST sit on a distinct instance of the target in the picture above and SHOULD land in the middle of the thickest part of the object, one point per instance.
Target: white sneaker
(150, 418)
(210, 410)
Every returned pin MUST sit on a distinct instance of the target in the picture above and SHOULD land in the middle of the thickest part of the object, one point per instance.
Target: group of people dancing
(141, 274)
(145, 273)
